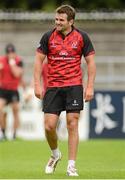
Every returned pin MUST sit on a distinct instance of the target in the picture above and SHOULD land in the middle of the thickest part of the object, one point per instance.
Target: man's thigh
(2, 103)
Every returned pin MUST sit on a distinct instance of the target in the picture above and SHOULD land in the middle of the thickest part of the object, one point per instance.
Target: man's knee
(49, 128)
(1, 109)
(15, 107)
(50, 122)
(72, 121)
(49, 125)
(72, 126)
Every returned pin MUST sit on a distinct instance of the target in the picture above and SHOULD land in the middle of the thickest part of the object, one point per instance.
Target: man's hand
(12, 62)
(38, 92)
(89, 94)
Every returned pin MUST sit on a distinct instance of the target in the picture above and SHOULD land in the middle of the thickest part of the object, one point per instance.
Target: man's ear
(71, 22)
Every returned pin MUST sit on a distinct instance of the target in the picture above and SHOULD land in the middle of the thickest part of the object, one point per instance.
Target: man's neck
(64, 33)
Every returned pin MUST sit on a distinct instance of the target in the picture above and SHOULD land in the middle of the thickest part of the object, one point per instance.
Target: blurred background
(24, 22)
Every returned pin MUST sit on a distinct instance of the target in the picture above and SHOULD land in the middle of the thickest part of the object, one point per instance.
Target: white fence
(49, 16)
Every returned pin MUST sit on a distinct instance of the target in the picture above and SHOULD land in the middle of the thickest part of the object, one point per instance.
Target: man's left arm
(16, 69)
(91, 69)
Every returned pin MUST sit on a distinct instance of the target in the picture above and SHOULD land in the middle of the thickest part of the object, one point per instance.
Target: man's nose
(57, 21)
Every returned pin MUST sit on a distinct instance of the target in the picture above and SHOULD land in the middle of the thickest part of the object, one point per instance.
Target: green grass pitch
(97, 159)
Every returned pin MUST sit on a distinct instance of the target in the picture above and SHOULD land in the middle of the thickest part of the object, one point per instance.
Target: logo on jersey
(63, 53)
(74, 45)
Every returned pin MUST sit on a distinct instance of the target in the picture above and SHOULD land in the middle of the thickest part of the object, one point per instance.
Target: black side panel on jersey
(43, 44)
(88, 46)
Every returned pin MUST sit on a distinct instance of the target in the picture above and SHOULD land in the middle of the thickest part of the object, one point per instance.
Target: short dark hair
(10, 48)
(67, 9)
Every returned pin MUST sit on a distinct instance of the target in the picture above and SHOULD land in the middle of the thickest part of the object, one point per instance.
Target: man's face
(11, 55)
(61, 22)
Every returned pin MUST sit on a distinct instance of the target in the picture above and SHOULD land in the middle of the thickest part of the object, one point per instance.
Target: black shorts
(9, 95)
(63, 98)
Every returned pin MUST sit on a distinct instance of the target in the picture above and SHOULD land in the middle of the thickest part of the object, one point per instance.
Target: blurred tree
(100, 4)
(48, 5)
(13, 4)
(60, 2)
(9, 3)
(94, 5)
(34, 4)
(1, 4)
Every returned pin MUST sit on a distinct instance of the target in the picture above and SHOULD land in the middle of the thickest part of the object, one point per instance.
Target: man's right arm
(37, 74)
(42, 51)
(1, 64)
